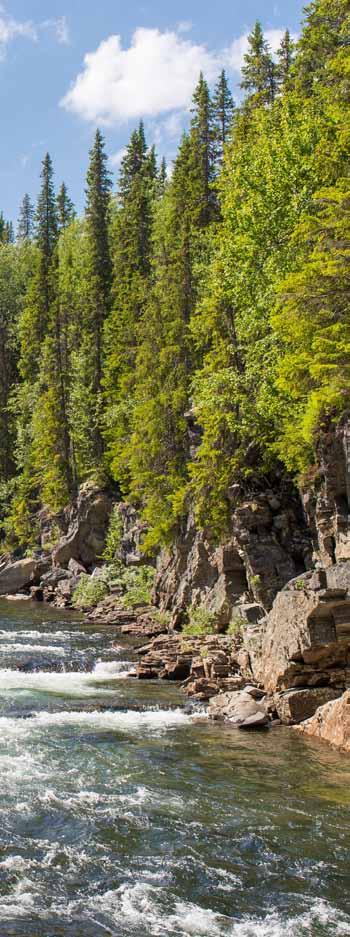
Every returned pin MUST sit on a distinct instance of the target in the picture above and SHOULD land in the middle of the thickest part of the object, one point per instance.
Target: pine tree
(285, 56)
(25, 226)
(258, 70)
(202, 164)
(41, 294)
(138, 190)
(324, 41)
(223, 108)
(99, 272)
(65, 208)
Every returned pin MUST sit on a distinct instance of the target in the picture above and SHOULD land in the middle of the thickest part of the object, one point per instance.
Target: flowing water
(120, 814)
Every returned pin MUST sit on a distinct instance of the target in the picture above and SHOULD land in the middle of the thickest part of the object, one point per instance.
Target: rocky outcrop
(331, 723)
(326, 496)
(207, 664)
(21, 574)
(268, 546)
(294, 706)
(305, 640)
(88, 521)
(133, 530)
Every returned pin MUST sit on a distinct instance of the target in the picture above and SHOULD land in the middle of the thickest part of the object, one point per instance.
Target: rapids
(122, 814)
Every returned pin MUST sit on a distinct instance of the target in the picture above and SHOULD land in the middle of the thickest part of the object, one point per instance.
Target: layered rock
(208, 664)
(326, 497)
(331, 723)
(305, 640)
(268, 546)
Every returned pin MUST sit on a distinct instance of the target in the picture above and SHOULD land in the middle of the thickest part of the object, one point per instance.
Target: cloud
(117, 157)
(11, 28)
(60, 28)
(154, 75)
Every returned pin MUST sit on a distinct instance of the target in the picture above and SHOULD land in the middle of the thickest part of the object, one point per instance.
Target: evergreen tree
(223, 108)
(202, 162)
(99, 273)
(41, 294)
(258, 70)
(285, 56)
(138, 189)
(324, 41)
(65, 208)
(25, 226)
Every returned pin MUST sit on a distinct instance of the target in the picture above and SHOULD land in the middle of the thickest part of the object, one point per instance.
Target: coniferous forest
(191, 332)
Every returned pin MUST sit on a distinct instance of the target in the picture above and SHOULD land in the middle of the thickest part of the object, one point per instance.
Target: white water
(120, 815)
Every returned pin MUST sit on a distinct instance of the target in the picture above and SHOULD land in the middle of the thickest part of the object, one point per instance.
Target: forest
(189, 335)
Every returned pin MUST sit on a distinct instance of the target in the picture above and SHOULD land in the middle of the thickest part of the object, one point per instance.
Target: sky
(68, 67)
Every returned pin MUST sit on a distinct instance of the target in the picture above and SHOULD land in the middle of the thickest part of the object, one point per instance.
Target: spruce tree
(41, 294)
(223, 109)
(132, 226)
(65, 208)
(99, 273)
(25, 226)
(285, 56)
(258, 70)
(202, 163)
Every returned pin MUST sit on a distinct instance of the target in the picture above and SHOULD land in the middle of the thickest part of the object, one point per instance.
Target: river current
(121, 814)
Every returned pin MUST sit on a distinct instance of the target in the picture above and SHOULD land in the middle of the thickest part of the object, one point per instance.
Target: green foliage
(236, 626)
(137, 583)
(114, 535)
(189, 334)
(200, 621)
(89, 592)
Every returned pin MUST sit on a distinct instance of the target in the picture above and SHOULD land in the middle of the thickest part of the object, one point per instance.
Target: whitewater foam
(74, 683)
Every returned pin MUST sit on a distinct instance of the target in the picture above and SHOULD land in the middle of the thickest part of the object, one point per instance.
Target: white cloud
(60, 29)
(236, 51)
(156, 74)
(10, 29)
(117, 157)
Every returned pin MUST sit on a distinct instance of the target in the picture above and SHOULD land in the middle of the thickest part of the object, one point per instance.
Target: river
(122, 815)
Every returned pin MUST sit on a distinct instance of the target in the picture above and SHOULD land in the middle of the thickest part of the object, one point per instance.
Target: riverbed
(122, 814)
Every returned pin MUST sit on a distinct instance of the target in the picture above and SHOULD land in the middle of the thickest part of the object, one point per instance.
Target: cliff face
(274, 537)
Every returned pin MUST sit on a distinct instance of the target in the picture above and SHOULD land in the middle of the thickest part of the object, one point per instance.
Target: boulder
(331, 723)
(294, 706)
(21, 574)
(240, 709)
(305, 640)
(86, 537)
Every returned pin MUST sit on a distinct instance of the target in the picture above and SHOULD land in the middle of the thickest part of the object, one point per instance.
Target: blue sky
(67, 67)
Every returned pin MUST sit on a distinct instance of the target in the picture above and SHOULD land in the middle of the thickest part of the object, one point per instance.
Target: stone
(306, 636)
(331, 723)
(21, 574)
(238, 708)
(86, 536)
(294, 706)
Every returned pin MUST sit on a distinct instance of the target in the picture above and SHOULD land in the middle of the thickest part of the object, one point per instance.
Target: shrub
(200, 621)
(114, 536)
(89, 592)
(237, 625)
(161, 618)
(137, 583)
